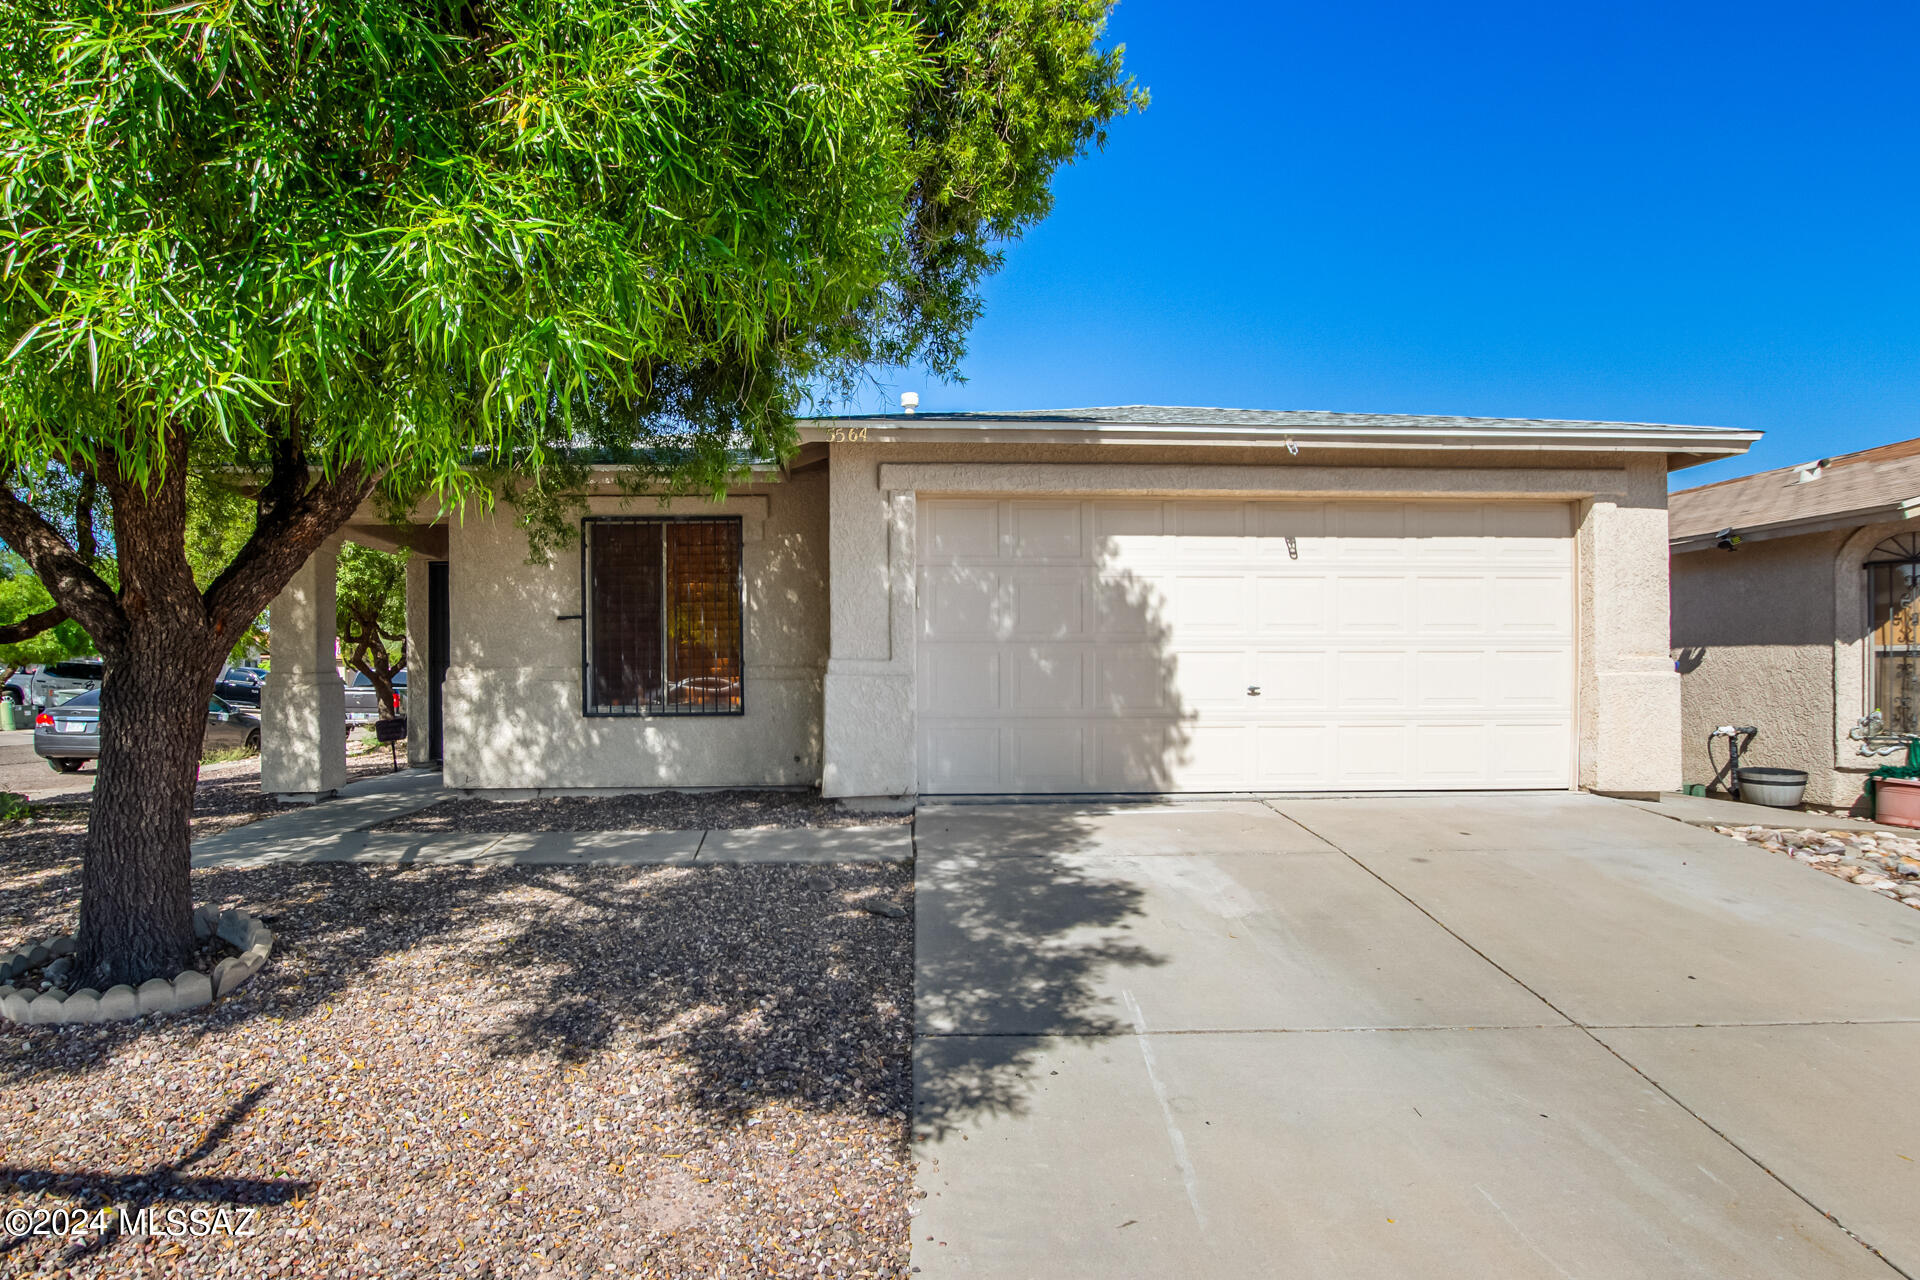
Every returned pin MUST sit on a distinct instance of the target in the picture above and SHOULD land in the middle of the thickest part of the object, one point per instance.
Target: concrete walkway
(1722, 811)
(1510, 1036)
(338, 830)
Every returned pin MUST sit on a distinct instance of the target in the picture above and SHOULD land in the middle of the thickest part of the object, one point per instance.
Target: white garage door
(1127, 646)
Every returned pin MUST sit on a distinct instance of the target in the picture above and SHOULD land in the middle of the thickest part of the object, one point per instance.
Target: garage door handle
(1253, 691)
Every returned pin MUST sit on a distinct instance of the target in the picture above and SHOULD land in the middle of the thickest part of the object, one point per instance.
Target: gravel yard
(1887, 864)
(655, 811)
(625, 1071)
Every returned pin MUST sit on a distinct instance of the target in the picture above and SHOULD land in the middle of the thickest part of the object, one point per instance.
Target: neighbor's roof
(1147, 423)
(1868, 487)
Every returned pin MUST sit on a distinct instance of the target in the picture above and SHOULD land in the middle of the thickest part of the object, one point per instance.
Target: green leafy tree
(46, 634)
(370, 603)
(352, 248)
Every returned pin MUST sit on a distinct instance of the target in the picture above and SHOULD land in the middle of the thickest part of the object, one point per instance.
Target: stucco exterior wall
(1629, 695)
(1774, 635)
(1753, 640)
(512, 705)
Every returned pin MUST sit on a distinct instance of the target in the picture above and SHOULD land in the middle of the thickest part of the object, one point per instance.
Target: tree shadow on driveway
(1018, 927)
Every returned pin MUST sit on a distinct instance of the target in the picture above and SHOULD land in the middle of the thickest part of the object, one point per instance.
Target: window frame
(587, 708)
(1891, 553)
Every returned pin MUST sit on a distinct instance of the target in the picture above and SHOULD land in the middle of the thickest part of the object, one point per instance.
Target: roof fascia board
(1881, 514)
(1625, 439)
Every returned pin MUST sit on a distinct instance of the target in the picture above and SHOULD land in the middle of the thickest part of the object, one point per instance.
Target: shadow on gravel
(162, 1190)
(766, 982)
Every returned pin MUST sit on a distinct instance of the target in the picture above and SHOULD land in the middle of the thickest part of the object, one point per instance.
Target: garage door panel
(1221, 523)
(1046, 530)
(1291, 606)
(1370, 607)
(1444, 529)
(961, 757)
(1531, 604)
(1049, 754)
(1450, 755)
(1109, 645)
(1275, 522)
(1293, 681)
(1127, 606)
(1450, 679)
(1370, 756)
(965, 682)
(1540, 527)
(1048, 678)
(1200, 605)
(1215, 757)
(1293, 757)
(1454, 605)
(1134, 755)
(960, 603)
(1367, 533)
(1132, 680)
(1530, 754)
(1370, 681)
(1046, 604)
(1212, 678)
(957, 529)
(1538, 679)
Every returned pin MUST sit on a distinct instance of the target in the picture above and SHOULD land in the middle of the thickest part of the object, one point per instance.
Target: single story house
(1087, 601)
(1796, 610)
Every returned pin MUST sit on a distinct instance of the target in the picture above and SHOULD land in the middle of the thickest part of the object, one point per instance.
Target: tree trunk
(137, 903)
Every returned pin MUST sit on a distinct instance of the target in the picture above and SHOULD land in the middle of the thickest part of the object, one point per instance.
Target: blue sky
(1677, 213)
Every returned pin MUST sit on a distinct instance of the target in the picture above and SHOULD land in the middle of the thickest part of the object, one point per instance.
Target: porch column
(303, 709)
(419, 676)
(868, 748)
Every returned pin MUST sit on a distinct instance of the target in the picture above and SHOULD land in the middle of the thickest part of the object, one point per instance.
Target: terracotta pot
(1896, 801)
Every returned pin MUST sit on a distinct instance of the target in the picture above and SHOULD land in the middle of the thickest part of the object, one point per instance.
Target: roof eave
(1698, 444)
(1880, 513)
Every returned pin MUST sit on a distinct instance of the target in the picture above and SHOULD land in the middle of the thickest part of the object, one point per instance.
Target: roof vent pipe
(909, 401)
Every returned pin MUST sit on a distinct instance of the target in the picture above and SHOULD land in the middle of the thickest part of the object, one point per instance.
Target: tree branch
(66, 574)
(293, 520)
(32, 625)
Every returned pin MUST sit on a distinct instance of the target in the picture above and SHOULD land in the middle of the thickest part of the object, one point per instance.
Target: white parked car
(53, 684)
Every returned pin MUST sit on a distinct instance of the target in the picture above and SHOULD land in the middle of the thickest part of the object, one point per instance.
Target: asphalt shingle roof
(1868, 481)
(1276, 419)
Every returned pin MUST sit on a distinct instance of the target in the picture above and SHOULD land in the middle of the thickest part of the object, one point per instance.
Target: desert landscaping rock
(507, 1071)
(1885, 863)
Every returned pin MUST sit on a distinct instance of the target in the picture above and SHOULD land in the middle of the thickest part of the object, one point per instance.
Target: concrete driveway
(1497, 1036)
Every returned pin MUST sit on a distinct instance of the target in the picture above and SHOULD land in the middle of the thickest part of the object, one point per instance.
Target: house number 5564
(847, 435)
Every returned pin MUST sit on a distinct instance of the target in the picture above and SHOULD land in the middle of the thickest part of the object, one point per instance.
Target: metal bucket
(1779, 788)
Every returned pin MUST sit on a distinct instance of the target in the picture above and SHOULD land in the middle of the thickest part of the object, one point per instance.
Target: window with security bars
(663, 616)
(1893, 595)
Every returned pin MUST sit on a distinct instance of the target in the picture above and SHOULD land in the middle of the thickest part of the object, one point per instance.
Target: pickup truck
(363, 702)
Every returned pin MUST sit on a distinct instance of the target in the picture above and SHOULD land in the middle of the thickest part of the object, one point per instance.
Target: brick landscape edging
(190, 989)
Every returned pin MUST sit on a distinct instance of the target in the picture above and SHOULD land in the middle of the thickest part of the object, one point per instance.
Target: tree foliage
(324, 250)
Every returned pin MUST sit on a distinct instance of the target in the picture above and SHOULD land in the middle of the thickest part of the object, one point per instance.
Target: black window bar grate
(665, 611)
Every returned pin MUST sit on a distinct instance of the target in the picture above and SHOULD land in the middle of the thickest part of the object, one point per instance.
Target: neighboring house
(1808, 626)
(1116, 600)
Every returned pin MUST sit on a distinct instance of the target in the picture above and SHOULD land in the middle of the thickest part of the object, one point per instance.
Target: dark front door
(438, 649)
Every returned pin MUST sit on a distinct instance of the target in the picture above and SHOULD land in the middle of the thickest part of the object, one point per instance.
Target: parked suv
(53, 684)
(241, 685)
